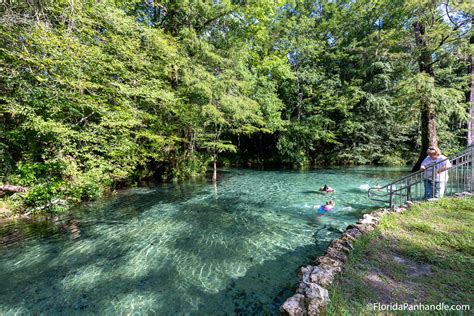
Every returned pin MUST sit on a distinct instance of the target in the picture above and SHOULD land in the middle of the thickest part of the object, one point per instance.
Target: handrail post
(391, 197)
(463, 180)
(433, 181)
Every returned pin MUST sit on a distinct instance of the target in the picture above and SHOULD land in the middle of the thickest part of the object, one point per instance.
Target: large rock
(324, 275)
(363, 228)
(351, 234)
(326, 261)
(336, 254)
(304, 274)
(369, 220)
(379, 214)
(294, 306)
(316, 299)
(344, 245)
(400, 209)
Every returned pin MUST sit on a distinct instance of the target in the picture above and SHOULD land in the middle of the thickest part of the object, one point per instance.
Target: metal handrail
(408, 188)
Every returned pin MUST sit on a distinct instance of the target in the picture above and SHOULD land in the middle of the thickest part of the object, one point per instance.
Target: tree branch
(445, 38)
(447, 13)
(201, 27)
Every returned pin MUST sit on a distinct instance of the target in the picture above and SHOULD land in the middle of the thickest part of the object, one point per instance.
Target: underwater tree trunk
(214, 171)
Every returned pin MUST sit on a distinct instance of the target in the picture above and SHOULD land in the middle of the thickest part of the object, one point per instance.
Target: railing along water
(411, 187)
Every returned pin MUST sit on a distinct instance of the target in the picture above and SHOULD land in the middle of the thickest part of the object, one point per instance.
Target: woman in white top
(439, 164)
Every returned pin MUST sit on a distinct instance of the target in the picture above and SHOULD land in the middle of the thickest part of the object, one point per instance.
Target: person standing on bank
(441, 165)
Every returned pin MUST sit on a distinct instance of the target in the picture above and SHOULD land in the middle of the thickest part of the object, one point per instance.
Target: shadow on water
(356, 190)
(45, 280)
(174, 249)
(240, 296)
(43, 285)
(313, 192)
(245, 291)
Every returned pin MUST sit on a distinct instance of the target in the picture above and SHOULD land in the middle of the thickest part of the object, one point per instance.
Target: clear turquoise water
(192, 248)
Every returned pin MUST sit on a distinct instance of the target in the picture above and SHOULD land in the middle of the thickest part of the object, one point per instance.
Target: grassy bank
(422, 256)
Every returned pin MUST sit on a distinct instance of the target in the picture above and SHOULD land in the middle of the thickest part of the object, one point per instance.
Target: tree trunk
(191, 142)
(174, 76)
(470, 99)
(429, 135)
(214, 171)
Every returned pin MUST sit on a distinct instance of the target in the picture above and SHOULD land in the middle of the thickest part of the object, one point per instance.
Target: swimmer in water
(326, 189)
(328, 206)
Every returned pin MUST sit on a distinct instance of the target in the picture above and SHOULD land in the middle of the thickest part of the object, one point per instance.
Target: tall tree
(436, 24)
(470, 98)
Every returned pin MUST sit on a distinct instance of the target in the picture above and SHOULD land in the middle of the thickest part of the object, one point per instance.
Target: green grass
(422, 256)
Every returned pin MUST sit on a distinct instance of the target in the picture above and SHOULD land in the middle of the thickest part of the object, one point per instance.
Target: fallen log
(12, 188)
(46, 206)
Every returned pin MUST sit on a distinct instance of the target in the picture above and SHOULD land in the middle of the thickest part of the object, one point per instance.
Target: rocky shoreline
(312, 296)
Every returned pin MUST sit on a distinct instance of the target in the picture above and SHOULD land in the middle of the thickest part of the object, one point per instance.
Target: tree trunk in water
(214, 171)
(429, 135)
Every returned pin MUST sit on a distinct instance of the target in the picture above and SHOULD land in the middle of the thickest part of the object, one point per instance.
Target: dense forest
(97, 94)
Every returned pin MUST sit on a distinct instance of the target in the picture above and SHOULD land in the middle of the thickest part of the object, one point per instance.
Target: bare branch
(447, 13)
(446, 37)
(201, 27)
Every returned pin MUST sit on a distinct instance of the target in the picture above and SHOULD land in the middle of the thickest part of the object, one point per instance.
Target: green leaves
(118, 90)
(105, 92)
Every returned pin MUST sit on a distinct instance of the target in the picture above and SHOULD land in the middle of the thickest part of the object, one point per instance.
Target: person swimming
(326, 188)
(327, 207)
